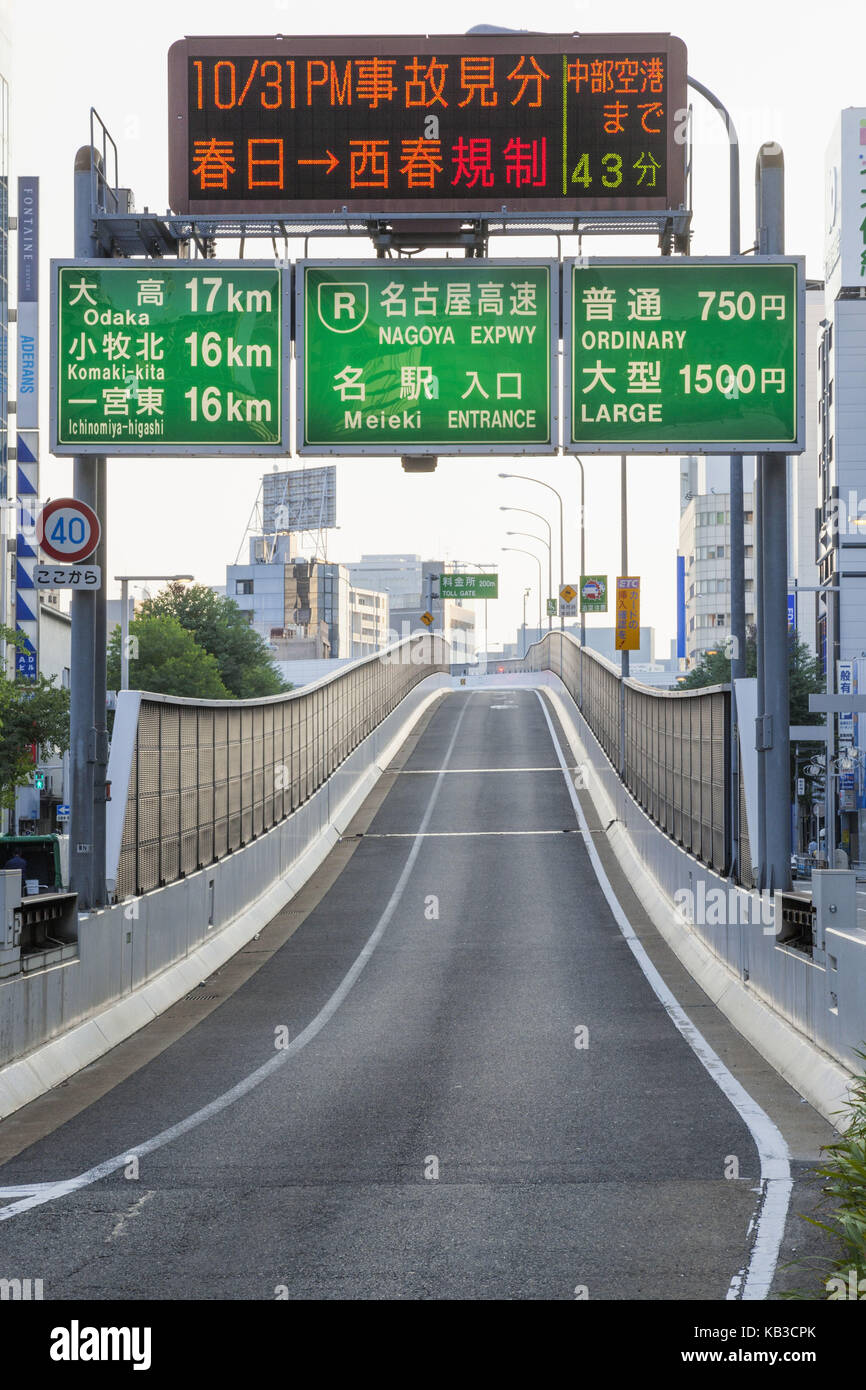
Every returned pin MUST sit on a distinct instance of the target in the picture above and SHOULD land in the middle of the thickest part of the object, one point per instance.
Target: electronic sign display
(468, 124)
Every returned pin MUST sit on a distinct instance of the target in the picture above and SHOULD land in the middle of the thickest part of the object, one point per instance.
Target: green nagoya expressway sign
(469, 586)
(149, 358)
(449, 357)
(694, 355)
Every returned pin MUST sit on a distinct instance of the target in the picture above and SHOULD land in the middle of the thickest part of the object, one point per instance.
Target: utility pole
(88, 735)
(774, 761)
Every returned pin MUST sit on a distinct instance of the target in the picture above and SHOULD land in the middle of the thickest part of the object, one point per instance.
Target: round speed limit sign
(67, 530)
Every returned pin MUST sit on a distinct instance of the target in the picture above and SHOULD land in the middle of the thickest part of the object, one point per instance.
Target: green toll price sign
(156, 359)
(469, 586)
(451, 357)
(699, 355)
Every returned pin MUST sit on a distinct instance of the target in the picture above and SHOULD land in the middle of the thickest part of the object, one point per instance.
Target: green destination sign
(151, 358)
(469, 586)
(452, 357)
(695, 354)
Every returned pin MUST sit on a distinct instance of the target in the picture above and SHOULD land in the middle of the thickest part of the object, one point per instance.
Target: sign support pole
(774, 766)
(88, 736)
(738, 584)
(624, 655)
(582, 573)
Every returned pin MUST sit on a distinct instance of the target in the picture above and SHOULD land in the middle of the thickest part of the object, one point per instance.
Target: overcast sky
(784, 72)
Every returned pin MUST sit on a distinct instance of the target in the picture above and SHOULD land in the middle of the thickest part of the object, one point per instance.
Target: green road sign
(593, 593)
(451, 357)
(149, 358)
(698, 355)
(551, 608)
(469, 586)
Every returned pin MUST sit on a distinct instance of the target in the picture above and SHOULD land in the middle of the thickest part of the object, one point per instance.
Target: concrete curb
(47, 1066)
(823, 1082)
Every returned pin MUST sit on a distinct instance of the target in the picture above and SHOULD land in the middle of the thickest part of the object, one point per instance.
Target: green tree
(804, 674)
(218, 625)
(167, 659)
(31, 711)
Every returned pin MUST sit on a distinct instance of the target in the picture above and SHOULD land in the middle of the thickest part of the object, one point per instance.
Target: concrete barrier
(142, 955)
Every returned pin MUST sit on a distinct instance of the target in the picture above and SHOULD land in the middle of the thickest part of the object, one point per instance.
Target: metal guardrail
(208, 776)
(676, 756)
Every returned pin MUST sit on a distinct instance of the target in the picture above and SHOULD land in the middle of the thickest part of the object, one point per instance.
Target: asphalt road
(437, 1134)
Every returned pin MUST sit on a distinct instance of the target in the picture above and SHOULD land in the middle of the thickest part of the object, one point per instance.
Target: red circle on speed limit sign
(67, 530)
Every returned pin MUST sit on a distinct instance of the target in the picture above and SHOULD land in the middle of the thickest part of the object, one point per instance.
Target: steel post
(624, 655)
(774, 767)
(88, 736)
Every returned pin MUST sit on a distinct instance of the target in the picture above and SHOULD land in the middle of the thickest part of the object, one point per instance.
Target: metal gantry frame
(119, 231)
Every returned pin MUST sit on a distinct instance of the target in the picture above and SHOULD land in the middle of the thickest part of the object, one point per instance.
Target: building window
(243, 586)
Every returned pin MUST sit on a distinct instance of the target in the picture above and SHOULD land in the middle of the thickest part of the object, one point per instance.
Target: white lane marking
(457, 771)
(754, 1281)
(34, 1195)
(452, 834)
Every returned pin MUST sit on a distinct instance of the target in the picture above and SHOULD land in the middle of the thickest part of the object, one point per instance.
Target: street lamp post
(525, 478)
(125, 580)
(531, 536)
(526, 593)
(582, 573)
(519, 551)
(549, 542)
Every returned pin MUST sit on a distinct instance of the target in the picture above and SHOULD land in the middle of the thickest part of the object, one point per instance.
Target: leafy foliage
(844, 1174)
(31, 711)
(168, 661)
(219, 626)
(804, 674)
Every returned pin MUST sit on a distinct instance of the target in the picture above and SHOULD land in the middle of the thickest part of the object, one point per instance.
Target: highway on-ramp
(445, 1078)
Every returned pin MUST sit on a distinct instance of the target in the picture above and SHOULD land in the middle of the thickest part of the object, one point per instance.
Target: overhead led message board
(451, 123)
(450, 357)
(692, 355)
(152, 358)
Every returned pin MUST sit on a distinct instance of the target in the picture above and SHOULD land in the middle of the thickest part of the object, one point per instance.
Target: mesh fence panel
(676, 757)
(207, 778)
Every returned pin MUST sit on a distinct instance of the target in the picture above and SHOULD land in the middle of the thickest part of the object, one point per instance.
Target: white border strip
(768, 1225)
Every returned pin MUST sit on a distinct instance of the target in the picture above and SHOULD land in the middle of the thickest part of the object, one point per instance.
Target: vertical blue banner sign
(681, 605)
(27, 453)
(792, 612)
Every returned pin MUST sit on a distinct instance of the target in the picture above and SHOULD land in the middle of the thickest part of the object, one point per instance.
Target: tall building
(705, 545)
(5, 72)
(287, 597)
(803, 472)
(406, 579)
(841, 425)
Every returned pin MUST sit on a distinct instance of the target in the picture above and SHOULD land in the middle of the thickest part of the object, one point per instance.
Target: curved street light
(526, 479)
(530, 535)
(518, 550)
(539, 517)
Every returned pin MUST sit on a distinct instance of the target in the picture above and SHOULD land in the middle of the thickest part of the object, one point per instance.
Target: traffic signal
(39, 781)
